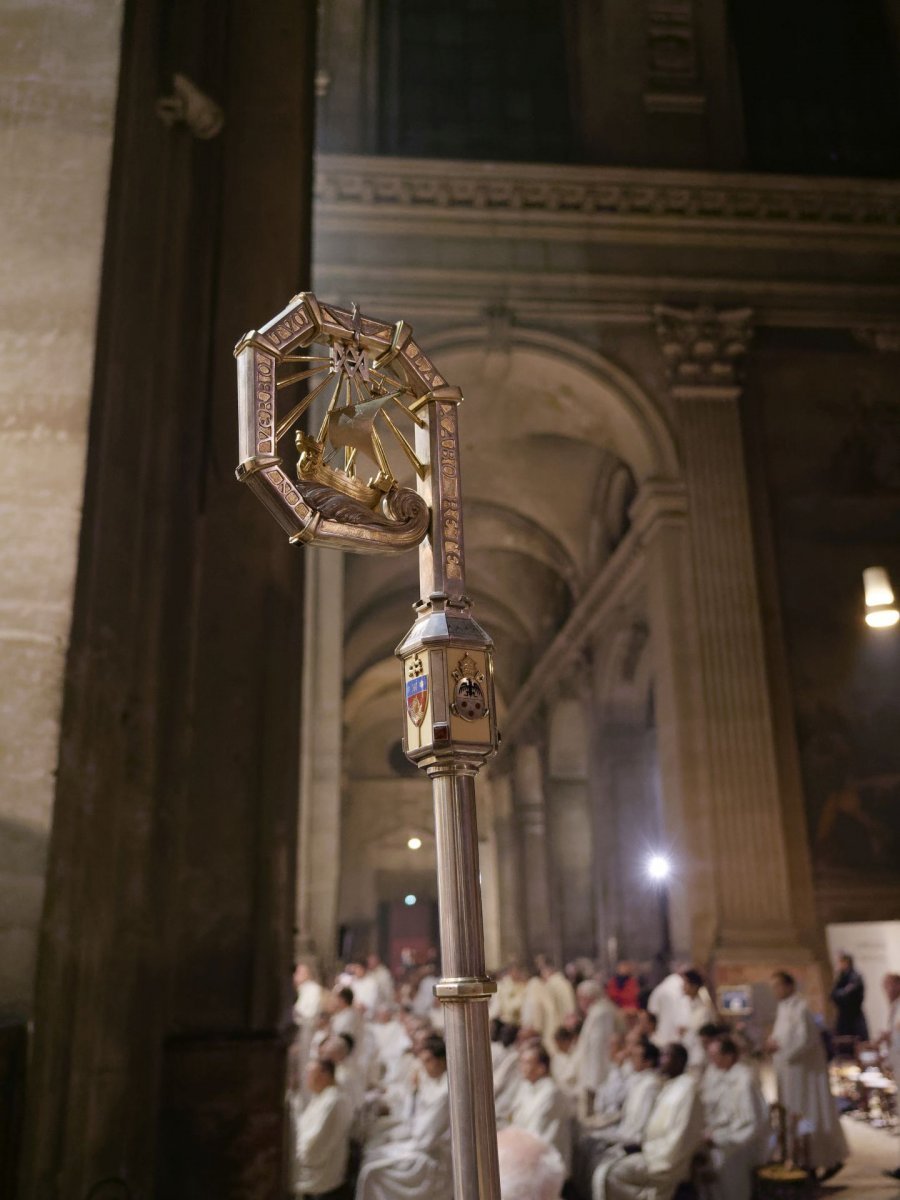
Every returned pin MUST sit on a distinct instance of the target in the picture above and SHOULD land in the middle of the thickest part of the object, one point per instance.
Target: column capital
(704, 348)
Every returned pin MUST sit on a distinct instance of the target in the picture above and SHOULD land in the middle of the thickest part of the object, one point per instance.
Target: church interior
(657, 246)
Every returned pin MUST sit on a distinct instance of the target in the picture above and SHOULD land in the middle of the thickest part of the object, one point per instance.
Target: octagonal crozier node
(369, 366)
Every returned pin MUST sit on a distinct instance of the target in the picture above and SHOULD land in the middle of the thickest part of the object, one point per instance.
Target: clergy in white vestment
(345, 1018)
(306, 1018)
(339, 1049)
(668, 1004)
(507, 1076)
(610, 1096)
(559, 999)
(530, 1168)
(698, 1012)
(389, 1036)
(737, 1124)
(322, 1135)
(564, 1063)
(890, 1038)
(366, 993)
(802, 1073)
(507, 1001)
(647, 1026)
(540, 1106)
(535, 1006)
(608, 1143)
(309, 995)
(601, 1019)
(417, 1167)
(377, 970)
(654, 1169)
(423, 1001)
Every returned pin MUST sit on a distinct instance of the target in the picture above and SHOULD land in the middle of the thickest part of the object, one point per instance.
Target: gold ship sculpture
(374, 383)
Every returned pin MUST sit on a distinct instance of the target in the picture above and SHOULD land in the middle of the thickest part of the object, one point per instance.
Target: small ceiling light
(415, 843)
(881, 612)
(409, 900)
(658, 867)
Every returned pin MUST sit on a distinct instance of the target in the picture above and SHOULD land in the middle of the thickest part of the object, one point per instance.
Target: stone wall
(58, 75)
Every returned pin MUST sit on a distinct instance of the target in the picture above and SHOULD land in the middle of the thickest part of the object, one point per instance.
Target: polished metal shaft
(464, 988)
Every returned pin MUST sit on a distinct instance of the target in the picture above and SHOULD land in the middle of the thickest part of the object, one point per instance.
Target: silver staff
(379, 387)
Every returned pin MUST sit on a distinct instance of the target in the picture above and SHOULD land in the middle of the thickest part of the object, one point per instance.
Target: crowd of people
(604, 1090)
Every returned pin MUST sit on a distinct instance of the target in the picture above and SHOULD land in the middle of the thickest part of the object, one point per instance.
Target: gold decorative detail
(467, 668)
(375, 399)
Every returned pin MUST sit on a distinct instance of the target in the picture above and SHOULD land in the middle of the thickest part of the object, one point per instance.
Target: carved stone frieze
(703, 347)
(389, 184)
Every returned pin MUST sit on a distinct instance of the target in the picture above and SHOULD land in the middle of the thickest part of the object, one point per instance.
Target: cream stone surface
(58, 76)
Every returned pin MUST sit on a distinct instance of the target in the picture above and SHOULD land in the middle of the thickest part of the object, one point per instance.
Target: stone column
(321, 735)
(541, 925)
(703, 348)
(510, 873)
(164, 963)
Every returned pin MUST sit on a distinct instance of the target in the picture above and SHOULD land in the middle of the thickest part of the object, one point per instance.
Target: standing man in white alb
(669, 1005)
(601, 1018)
(890, 1039)
(802, 1073)
(698, 1011)
(559, 999)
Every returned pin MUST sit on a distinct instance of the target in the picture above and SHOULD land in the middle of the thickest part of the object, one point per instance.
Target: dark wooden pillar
(165, 953)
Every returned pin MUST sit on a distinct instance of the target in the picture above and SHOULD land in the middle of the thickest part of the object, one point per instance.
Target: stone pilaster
(319, 845)
(541, 927)
(659, 517)
(704, 348)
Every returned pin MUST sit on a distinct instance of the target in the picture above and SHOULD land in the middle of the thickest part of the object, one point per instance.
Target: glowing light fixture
(658, 867)
(415, 843)
(409, 900)
(881, 612)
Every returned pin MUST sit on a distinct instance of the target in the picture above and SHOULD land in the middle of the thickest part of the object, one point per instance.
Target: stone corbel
(883, 338)
(189, 106)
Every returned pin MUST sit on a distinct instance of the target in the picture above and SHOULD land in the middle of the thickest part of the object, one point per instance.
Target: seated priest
(608, 1143)
(653, 1168)
(540, 1106)
(737, 1125)
(418, 1166)
(322, 1135)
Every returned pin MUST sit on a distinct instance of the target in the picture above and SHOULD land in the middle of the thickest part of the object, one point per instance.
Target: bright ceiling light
(415, 843)
(880, 610)
(878, 587)
(658, 867)
(409, 900)
(882, 618)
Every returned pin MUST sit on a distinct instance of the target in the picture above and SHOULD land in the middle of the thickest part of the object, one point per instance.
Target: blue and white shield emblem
(417, 698)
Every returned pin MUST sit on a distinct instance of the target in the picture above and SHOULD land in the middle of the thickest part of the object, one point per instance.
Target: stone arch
(641, 433)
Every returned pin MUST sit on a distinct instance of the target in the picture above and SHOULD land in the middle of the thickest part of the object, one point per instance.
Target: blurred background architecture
(657, 244)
